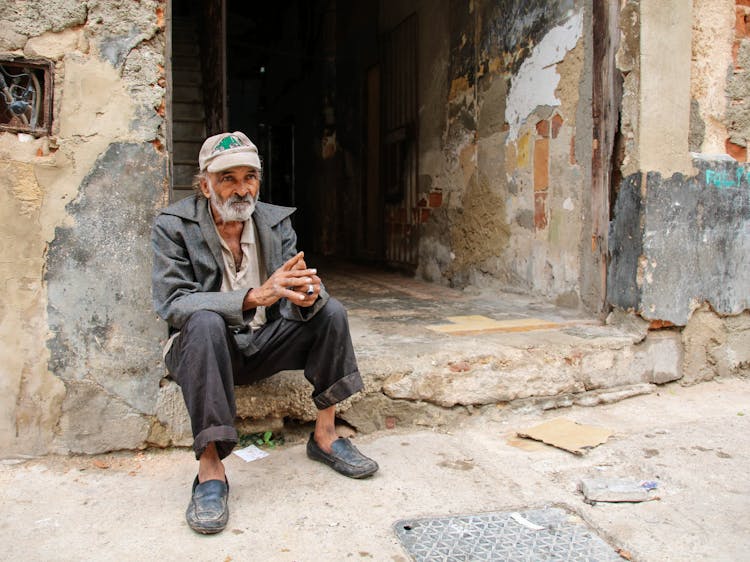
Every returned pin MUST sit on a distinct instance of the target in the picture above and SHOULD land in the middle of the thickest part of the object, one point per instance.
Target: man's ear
(204, 188)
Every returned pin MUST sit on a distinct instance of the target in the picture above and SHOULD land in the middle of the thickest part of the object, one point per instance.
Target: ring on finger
(310, 289)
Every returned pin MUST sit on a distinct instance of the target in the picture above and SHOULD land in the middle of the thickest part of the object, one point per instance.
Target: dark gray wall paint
(626, 245)
(695, 243)
(105, 334)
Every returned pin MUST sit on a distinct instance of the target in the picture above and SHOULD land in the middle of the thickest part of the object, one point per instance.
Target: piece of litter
(570, 436)
(525, 522)
(250, 453)
(616, 490)
(649, 484)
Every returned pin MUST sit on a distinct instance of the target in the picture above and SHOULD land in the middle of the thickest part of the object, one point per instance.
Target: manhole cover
(550, 534)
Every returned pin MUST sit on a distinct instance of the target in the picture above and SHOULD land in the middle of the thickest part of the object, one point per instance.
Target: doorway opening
(330, 100)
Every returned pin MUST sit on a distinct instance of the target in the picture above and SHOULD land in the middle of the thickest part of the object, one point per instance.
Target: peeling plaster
(713, 22)
(95, 106)
(54, 45)
(537, 78)
(30, 396)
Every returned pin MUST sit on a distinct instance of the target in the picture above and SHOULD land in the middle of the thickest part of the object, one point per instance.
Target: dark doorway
(328, 100)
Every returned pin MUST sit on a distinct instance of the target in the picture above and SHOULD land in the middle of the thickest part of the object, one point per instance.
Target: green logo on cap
(226, 143)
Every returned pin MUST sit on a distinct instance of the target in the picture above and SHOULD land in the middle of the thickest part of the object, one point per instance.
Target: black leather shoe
(208, 511)
(344, 458)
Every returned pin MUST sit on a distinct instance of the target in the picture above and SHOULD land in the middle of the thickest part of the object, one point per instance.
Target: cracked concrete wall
(512, 206)
(80, 350)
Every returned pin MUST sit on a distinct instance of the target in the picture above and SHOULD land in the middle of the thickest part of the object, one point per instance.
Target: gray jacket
(188, 266)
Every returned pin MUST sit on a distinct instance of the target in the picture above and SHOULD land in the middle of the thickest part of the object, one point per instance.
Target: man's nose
(244, 188)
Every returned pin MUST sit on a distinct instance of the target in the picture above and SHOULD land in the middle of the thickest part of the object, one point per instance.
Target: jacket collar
(195, 208)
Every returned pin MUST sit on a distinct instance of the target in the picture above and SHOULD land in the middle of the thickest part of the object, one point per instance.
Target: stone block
(285, 394)
(733, 358)
(488, 380)
(94, 421)
(246, 426)
(376, 411)
(703, 335)
(661, 357)
(173, 415)
(609, 396)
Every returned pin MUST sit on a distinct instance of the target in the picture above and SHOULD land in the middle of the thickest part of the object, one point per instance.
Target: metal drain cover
(550, 534)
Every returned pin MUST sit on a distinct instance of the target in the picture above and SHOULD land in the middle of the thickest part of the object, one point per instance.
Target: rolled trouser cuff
(339, 391)
(224, 436)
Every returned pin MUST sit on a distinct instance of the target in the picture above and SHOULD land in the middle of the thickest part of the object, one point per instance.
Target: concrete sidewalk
(130, 506)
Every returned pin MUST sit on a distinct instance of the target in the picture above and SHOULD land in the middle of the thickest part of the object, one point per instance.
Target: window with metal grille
(26, 96)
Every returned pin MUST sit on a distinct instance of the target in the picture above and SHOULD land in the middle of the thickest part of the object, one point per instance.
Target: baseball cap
(227, 150)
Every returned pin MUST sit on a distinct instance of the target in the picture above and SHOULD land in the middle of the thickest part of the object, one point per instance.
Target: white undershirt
(251, 273)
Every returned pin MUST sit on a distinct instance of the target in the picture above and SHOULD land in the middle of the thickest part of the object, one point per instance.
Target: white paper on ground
(250, 453)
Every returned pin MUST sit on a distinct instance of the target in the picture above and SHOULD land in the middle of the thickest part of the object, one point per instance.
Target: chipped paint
(458, 87)
(537, 79)
(712, 55)
(95, 105)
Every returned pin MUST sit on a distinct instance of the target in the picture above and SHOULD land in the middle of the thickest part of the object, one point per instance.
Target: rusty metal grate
(26, 96)
(400, 147)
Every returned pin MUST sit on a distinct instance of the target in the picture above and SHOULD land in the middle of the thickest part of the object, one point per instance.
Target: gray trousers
(205, 362)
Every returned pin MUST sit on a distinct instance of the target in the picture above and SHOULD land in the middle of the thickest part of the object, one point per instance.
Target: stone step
(506, 351)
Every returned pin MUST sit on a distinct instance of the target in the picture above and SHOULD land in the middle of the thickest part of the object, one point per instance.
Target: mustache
(237, 199)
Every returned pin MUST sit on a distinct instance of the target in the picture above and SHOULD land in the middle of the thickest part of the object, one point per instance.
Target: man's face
(233, 192)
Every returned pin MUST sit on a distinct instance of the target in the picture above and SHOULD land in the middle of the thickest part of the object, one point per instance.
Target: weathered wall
(686, 242)
(510, 192)
(680, 234)
(80, 354)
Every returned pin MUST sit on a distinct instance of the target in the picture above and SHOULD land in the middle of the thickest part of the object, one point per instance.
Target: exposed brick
(736, 151)
(743, 2)
(740, 25)
(660, 324)
(557, 122)
(540, 210)
(390, 422)
(542, 128)
(424, 216)
(436, 199)
(422, 202)
(541, 164)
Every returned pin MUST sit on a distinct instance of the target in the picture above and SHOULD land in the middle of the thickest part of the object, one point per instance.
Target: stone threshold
(430, 356)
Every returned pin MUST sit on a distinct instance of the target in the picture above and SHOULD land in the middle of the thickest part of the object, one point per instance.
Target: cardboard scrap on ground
(564, 434)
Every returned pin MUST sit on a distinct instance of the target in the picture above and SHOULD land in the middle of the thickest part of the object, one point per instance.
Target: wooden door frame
(606, 102)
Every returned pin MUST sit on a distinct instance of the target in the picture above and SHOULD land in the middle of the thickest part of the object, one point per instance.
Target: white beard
(235, 208)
